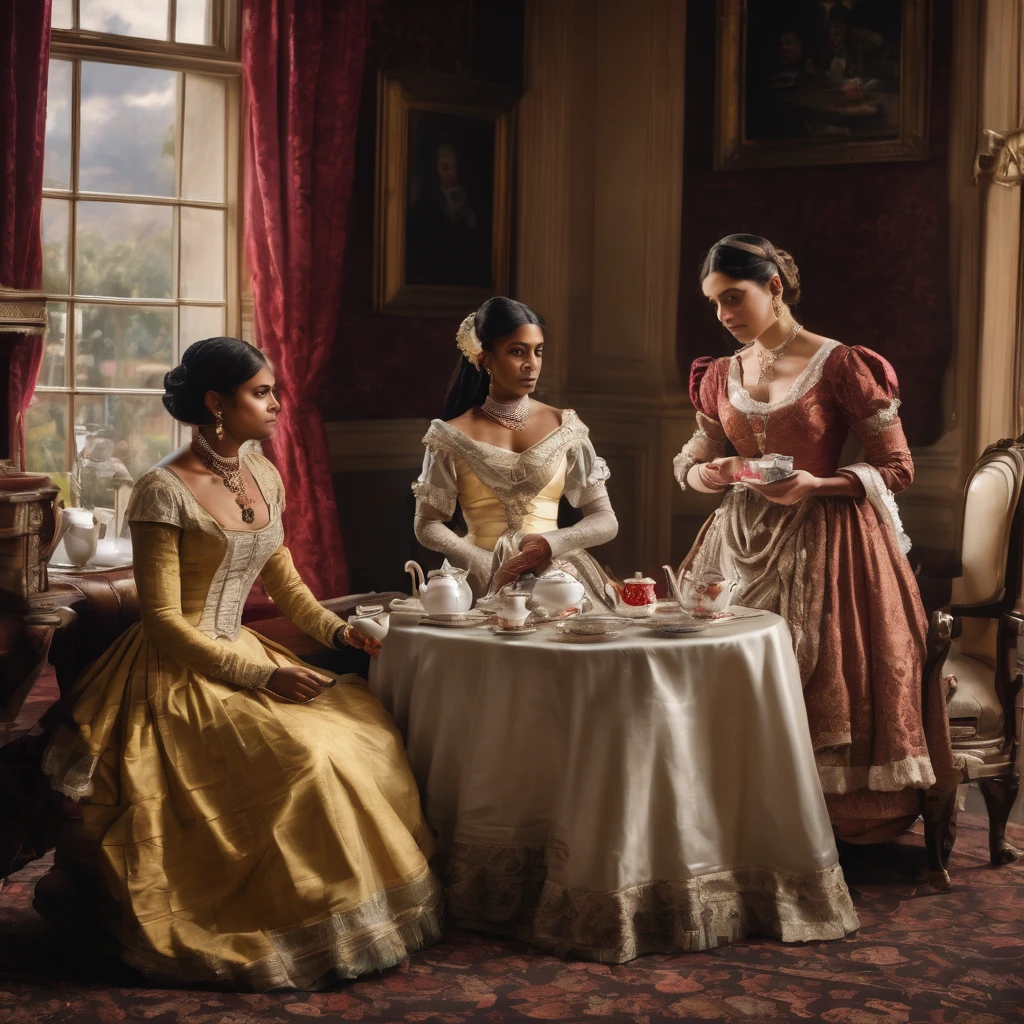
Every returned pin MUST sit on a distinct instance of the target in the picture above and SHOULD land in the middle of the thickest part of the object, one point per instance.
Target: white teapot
(370, 620)
(555, 591)
(446, 591)
(703, 595)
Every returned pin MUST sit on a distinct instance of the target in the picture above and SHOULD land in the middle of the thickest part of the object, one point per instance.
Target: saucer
(561, 637)
(680, 627)
(594, 625)
(513, 630)
(473, 618)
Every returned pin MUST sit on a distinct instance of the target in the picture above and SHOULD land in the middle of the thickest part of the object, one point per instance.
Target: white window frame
(221, 59)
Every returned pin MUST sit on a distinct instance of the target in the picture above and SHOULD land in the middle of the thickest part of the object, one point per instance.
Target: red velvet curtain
(303, 64)
(24, 65)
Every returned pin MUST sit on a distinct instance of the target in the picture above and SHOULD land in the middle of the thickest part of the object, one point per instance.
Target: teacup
(370, 620)
(513, 612)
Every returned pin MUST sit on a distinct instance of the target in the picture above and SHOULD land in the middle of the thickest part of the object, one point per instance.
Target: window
(140, 236)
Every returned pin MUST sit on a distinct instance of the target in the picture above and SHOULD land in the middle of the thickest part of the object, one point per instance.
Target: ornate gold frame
(397, 94)
(733, 151)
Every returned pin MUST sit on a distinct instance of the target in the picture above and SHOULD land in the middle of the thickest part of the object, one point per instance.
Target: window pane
(46, 435)
(56, 225)
(124, 250)
(127, 129)
(194, 22)
(60, 14)
(196, 322)
(203, 138)
(123, 346)
(202, 253)
(146, 19)
(55, 346)
(138, 432)
(57, 154)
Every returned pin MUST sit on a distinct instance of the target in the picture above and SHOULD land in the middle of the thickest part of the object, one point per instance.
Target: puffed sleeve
(708, 440)
(586, 474)
(437, 485)
(867, 392)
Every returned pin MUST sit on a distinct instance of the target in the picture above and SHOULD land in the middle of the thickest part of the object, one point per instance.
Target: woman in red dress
(824, 548)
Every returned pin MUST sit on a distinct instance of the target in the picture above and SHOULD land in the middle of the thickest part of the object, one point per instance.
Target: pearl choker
(509, 414)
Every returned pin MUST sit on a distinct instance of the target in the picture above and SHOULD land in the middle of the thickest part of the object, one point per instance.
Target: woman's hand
(355, 639)
(789, 491)
(297, 683)
(719, 472)
(537, 547)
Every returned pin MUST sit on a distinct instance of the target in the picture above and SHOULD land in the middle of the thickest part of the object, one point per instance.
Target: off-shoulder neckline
(568, 416)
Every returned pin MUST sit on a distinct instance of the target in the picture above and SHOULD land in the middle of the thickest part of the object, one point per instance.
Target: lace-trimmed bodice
(160, 496)
(515, 478)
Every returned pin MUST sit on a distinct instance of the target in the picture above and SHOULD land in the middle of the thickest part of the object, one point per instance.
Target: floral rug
(919, 957)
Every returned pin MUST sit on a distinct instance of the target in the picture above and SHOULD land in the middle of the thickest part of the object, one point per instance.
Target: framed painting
(803, 82)
(442, 239)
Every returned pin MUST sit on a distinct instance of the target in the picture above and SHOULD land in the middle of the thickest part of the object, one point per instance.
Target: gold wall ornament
(1000, 161)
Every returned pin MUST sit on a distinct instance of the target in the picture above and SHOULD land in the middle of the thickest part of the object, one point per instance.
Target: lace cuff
(707, 443)
(598, 526)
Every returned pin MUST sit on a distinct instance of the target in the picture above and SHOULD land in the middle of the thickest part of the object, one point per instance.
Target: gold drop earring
(777, 308)
(219, 426)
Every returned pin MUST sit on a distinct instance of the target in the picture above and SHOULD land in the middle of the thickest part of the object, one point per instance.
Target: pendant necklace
(766, 356)
(229, 470)
(509, 414)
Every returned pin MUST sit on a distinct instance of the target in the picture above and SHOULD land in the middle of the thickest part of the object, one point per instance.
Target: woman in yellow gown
(254, 823)
(506, 460)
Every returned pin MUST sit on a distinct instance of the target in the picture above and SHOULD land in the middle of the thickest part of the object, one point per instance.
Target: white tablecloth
(646, 794)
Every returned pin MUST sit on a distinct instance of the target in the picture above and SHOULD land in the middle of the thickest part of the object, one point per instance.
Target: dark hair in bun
(497, 318)
(753, 258)
(213, 364)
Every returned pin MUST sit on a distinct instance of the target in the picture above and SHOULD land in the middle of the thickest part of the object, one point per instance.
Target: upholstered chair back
(991, 522)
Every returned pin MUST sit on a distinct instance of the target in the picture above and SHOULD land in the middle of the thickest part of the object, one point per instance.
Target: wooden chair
(974, 641)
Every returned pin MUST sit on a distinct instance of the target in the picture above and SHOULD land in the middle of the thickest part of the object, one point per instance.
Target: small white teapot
(704, 595)
(446, 591)
(555, 591)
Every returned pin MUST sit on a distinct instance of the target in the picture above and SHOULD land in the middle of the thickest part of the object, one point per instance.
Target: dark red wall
(871, 240)
(398, 366)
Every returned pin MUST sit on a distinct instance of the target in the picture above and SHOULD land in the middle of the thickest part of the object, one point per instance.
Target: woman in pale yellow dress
(504, 460)
(255, 823)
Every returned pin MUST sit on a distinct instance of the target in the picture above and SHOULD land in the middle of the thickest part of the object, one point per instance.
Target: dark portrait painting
(449, 221)
(823, 70)
(821, 81)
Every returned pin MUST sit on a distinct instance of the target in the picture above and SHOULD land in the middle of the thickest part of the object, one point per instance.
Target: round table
(648, 793)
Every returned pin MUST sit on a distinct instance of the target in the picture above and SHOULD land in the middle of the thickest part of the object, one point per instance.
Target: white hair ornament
(467, 341)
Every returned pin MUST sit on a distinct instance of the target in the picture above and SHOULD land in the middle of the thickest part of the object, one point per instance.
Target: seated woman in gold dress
(824, 548)
(506, 460)
(255, 823)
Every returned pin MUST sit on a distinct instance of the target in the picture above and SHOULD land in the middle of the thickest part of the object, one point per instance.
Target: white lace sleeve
(436, 485)
(155, 499)
(586, 474)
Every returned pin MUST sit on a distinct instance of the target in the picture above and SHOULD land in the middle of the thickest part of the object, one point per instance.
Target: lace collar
(807, 378)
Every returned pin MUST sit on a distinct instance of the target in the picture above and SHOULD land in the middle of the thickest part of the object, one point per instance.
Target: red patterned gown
(836, 569)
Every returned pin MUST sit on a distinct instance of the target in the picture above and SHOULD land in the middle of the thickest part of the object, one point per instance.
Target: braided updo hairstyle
(753, 258)
(213, 364)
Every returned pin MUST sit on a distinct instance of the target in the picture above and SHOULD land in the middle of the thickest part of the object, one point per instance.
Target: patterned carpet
(918, 957)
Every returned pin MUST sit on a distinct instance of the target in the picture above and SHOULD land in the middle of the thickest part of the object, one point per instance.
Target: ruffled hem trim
(502, 888)
(910, 773)
(376, 934)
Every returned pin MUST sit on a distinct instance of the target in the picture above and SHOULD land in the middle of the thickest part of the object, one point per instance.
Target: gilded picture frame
(443, 210)
(799, 82)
